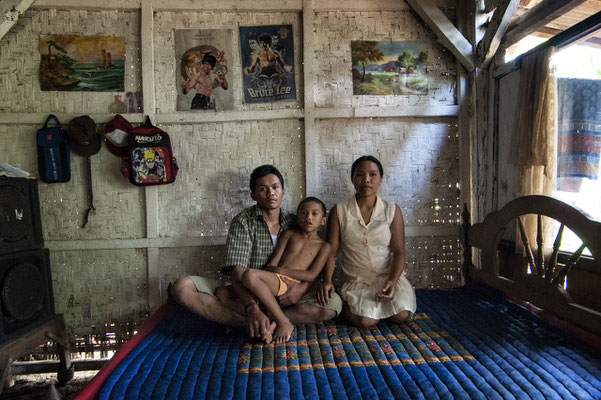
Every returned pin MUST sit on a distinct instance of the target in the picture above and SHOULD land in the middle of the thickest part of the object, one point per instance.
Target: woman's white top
(366, 261)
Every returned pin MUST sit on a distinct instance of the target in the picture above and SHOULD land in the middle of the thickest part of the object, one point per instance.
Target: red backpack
(149, 159)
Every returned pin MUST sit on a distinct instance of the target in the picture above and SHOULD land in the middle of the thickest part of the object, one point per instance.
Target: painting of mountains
(389, 68)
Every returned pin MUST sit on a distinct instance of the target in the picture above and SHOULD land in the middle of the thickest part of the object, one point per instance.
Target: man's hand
(324, 292)
(296, 290)
(257, 321)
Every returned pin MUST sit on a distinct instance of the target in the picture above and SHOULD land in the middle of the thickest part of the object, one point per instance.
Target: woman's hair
(312, 200)
(366, 158)
(262, 171)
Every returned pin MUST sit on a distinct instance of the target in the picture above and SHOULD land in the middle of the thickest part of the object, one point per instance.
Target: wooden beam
(311, 137)
(488, 46)
(449, 36)
(537, 17)
(11, 15)
(177, 5)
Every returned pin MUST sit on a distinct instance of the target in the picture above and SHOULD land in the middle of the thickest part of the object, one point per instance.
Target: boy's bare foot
(268, 336)
(283, 332)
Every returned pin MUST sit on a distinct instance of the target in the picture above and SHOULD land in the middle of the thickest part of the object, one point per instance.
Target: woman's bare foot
(283, 332)
(268, 336)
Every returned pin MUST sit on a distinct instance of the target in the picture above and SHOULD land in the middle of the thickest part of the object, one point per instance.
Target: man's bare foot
(283, 332)
(268, 336)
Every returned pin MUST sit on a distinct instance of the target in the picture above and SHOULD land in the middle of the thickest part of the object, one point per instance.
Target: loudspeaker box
(26, 294)
(20, 221)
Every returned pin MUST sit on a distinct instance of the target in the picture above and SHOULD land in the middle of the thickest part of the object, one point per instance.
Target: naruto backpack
(150, 159)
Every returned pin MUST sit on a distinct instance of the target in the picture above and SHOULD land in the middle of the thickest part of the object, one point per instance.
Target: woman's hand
(387, 292)
(324, 292)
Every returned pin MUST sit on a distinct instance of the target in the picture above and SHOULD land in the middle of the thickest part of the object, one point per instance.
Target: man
(203, 82)
(267, 58)
(251, 238)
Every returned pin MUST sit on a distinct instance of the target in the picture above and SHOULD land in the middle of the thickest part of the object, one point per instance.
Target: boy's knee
(248, 277)
(181, 289)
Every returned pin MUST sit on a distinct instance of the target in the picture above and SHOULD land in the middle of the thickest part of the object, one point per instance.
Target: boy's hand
(324, 292)
(294, 293)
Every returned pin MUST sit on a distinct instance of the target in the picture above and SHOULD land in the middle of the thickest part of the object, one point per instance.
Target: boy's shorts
(207, 285)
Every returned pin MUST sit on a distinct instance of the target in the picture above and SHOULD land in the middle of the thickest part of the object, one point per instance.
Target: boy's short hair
(367, 158)
(210, 59)
(262, 171)
(311, 199)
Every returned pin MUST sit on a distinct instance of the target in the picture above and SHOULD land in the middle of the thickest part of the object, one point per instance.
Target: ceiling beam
(537, 17)
(448, 35)
(488, 46)
(11, 14)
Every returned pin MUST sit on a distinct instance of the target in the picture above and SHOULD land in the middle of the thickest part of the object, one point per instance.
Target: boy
(300, 255)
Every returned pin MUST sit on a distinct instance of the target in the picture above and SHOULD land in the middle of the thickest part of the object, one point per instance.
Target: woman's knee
(401, 316)
(356, 320)
(365, 322)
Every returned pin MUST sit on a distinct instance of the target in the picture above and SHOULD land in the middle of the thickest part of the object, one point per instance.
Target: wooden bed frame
(450, 351)
(537, 279)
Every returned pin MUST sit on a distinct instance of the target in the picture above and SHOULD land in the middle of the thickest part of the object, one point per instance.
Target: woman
(370, 233)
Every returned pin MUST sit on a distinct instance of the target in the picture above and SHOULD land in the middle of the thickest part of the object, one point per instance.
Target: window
(578, 71)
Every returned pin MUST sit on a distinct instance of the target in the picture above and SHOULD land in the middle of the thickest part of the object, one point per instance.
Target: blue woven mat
(461, 345)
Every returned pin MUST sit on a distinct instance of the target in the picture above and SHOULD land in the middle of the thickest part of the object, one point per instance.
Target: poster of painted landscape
(384, 68)
(203, 73)
(82, 63)
(267, 63)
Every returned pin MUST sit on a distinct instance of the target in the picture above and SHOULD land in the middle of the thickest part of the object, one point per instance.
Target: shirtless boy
(299, 255)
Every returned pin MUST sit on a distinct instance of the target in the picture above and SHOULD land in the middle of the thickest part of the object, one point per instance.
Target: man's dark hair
(262, 171)
(366, 158)
(209, 58)
(265, 38)
(311, 199)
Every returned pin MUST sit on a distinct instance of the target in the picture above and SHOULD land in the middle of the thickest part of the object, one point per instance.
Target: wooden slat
(450, 36)
(177, 5)
(311, 136)
(13, 11)
(488, 46)
(535, 18)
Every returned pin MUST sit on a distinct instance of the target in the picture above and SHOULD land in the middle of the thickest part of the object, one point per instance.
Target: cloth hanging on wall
(579, 140)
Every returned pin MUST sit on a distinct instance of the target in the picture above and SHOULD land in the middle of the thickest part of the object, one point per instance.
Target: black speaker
(25, 292)
(20, 222)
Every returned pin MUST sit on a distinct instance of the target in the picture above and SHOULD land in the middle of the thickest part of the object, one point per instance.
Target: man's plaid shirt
(249, 243)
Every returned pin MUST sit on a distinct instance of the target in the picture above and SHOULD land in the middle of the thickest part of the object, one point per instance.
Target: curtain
(534, 143)
(579, 141)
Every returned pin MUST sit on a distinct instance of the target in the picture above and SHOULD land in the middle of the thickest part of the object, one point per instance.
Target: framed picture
(203, 70)
(267, 63)
(82, 63)
(389, 68)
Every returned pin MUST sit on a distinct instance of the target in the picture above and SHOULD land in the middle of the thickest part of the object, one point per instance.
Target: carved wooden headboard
(536, 278)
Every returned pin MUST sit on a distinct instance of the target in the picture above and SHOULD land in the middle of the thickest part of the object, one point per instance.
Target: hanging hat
(82, 135)
(115, 136)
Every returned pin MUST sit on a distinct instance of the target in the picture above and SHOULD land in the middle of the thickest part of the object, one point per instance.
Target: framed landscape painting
(82, 63)
(389, 68)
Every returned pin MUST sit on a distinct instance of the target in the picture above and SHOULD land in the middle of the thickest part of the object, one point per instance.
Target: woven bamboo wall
(98, 285)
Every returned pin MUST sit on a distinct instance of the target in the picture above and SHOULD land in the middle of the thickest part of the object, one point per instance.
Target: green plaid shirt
(249, 243)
